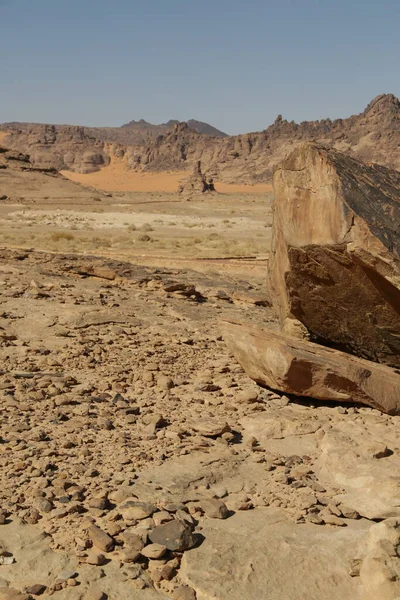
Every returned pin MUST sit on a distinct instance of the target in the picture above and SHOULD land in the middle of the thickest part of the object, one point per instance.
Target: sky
(235, 64)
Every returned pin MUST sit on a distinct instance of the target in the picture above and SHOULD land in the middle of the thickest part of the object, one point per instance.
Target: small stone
(132, 510)
(210, 428)
(130, 555)
(165, 383)
(330, 519)
(214, 508)
(100, 539)
(154, 551)
(36, 590)
(95, 558)
(94, 593)
(162, 516)
(184, 592)
(100, 503)
(380, 451)
(176, 536)
(247, 396)
(348, 513)
(132, 540)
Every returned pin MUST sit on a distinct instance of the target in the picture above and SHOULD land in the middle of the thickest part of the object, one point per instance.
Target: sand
(116, 177)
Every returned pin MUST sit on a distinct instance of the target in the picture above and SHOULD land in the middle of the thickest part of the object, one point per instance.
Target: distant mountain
(205, 128)
(198, 126)
(371, 136)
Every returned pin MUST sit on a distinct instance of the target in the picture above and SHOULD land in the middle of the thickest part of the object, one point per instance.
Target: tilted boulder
(305, 369)
(335, 260)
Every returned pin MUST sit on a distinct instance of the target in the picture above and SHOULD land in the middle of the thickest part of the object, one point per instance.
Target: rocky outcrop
(335, 261)
(309, 370)
(58, 147)
(197, 182)
(372, 136)
(17, 161)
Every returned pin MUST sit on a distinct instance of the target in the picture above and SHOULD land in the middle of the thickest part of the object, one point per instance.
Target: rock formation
(373, 135)
(305, 369)
(335, 263)
(197, 182)
(58, 147)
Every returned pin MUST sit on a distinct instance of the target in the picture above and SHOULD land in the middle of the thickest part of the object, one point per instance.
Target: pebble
(100, 539)
(36, 590)
(154, 551)
(211, 428)
(95, 558)
(214, 508)
(132, 510)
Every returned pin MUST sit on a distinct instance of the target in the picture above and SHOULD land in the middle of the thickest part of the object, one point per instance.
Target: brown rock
(184, 592)
(214, 508)
(36, 590)
(306, 369)
(335, 263)
(95, 558)
(174, 535)
(100, 539)
(154, 551)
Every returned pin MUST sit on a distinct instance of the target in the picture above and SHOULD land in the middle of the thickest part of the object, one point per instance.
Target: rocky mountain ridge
(371, 136)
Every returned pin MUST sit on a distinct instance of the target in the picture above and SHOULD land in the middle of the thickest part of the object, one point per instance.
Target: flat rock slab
(260, 555)
(350, 460)
(305, 369)
(288, 430)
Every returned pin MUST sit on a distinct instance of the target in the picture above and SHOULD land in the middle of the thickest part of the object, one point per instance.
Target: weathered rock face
(335, 263)
(58, 147)
(306, 369)
(10, 159)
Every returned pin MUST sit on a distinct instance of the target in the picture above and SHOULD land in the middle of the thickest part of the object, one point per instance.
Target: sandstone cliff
(372, 136)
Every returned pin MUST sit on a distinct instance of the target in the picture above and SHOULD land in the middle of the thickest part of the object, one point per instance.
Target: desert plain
(138, 459)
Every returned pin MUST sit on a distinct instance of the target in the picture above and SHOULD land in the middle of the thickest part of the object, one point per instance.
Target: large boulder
(302, 368)
(335, 265)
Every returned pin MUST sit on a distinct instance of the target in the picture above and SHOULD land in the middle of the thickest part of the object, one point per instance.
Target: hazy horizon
(235, 67)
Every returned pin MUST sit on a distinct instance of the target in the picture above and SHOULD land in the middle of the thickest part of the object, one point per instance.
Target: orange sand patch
(3, 135)
(116, 177)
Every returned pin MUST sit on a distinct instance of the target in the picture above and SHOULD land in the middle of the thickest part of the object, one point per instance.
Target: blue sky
(232, 63)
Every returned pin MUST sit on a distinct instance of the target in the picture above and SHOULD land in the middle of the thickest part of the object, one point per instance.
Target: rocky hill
(372, 136)
(57, 146)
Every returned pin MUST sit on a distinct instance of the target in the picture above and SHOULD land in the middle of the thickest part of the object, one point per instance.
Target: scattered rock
(214, 508)
(100, 539)
(174, 535)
